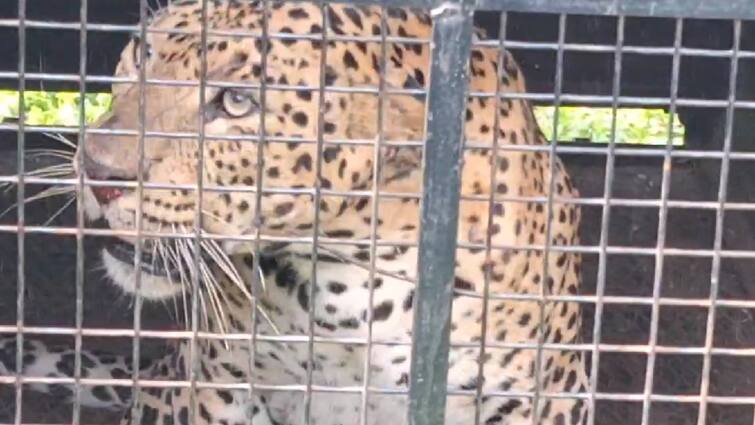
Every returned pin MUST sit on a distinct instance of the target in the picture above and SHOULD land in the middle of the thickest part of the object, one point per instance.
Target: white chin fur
(151, 288)
(92, 209)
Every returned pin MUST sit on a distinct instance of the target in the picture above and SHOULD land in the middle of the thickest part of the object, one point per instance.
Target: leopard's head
(214, 139)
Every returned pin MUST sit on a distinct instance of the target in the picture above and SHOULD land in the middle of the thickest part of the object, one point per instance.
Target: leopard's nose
(108, 155)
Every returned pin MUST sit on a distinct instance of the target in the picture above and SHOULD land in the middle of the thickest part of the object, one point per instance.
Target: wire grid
(611, 152)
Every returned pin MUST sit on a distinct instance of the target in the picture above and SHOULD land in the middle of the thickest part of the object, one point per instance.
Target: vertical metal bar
(194, 370)
(258, 202)
(138, 243)
(605, 221)
(558, 90)
(715, 272)
(317, 197)
(452, 37)
(502, 27)
(376, 176)
(662, 225)
(20, 195)
(80, 223)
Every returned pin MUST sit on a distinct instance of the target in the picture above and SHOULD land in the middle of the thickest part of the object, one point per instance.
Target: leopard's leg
(42, 360)
(212, 407)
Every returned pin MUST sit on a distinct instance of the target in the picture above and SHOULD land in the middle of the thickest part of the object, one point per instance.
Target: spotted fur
(517, 230)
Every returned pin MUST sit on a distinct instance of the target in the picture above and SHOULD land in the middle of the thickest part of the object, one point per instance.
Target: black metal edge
(697, 9)
(452, 35)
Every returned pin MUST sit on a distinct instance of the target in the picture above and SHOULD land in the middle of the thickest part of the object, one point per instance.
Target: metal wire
(540, 98)
(139, 219)
(194, 360)
(715, 273)
(293, 338)
(604, 222)
(502, 27)
(20, 224)
(80, 219)
(558, 91)
(252, 364)
(375, 206)
(317, 198)
(662, 226)
(571, 148)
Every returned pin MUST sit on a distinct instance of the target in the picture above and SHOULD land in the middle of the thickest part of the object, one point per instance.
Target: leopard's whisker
(186, 281)
(52, 171)
(259, 308)
(62, 139)
(57, 170)
(263, 281)
(56, 167)
(211, 286)
(47, 193)
(259, 272)
(59, 211)
(222, 260)
(158, 248)
(155, 244)
(172, 250)
(268, 319)
(221, 300)
(56, 153)
(185, 256)
(217, 258)
(195, 271)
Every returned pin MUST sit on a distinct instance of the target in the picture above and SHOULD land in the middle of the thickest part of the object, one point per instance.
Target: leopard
(278, 197)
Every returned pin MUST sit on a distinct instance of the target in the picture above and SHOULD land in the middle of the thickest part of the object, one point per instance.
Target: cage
(665, 236)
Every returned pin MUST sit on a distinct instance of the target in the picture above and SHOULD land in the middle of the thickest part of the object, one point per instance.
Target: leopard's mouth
(162, 273)
(105, 195)
(150, 263)
(157, 259)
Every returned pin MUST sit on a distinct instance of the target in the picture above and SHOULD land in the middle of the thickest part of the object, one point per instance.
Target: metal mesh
(668, 250)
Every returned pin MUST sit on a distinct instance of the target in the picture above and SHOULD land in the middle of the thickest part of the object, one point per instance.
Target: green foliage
(633, 125)
(54, 108)
(636, 126)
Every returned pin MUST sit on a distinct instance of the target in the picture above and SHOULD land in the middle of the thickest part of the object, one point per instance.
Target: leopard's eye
(238, 104)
